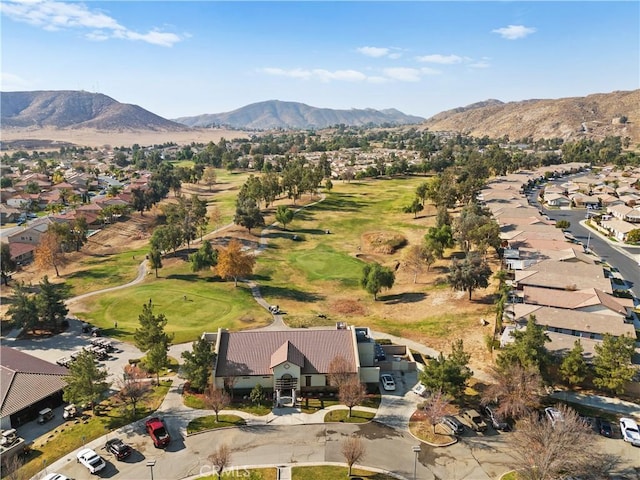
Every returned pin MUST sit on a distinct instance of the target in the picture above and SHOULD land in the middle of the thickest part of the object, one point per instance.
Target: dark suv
(118, 448)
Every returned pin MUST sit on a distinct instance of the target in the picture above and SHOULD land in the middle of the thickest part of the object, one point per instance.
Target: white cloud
(317, 74)
(514, 32)
(404, 74)
(441, 59)
(379, 52)
(480, 64)
(10, 82)
(52, 15)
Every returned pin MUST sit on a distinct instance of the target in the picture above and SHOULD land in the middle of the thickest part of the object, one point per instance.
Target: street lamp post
(416, 450)
(151, 464)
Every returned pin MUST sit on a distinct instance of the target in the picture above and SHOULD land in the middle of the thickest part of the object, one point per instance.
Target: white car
(387, 382)
(91, 460)
(630, 431)
(420, 389)
(554, 415)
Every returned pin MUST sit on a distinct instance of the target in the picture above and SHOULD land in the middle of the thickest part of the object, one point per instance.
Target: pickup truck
(158, 432)
(475, 420)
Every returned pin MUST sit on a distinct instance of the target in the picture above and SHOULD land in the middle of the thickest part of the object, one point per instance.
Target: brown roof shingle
(254, 353)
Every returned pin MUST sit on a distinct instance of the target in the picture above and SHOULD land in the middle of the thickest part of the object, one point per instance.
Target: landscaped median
(425, 432)
(209, 422)
(342, 415)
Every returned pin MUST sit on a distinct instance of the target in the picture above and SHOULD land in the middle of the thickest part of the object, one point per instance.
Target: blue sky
(180, 58)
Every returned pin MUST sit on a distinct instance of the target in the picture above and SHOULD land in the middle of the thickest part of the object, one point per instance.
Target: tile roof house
(27, 385)
(554, 275)
(289, 362)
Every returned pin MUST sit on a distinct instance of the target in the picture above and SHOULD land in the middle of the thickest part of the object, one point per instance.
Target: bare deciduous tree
(11, 468)
(416, 258)
(544, 450)
(351, 393)
(133, 386)
(216, 399)
(435, 408)
(353, 451)
(221, 458)
(339, 371)
(515, 390)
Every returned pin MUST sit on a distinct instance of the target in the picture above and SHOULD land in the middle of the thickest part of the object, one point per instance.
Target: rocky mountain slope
(595, 116)
(77, 110)
(278, 114)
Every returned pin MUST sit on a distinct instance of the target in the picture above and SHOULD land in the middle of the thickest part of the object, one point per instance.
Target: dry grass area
(383, 242)
(126, 138)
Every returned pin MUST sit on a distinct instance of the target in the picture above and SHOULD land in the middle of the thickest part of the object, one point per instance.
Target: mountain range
(616, 113)
(292, 115)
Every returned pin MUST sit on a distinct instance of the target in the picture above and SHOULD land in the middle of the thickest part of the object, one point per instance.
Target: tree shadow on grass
(187, 277)
(89, 275)
(403, 298)
(290, 294)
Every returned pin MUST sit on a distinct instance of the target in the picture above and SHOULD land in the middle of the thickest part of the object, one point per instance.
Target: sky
(184, 58)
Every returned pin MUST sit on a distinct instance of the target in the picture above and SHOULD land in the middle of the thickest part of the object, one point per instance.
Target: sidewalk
(610, 404)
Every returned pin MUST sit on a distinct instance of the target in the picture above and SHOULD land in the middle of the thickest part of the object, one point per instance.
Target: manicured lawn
(209, 423)
(312, 405)
(357, 416)
(195, 401)
(424, 431)
(333, 473)
(209, 304)
(74, 434)
(258, 474)
(99, 272)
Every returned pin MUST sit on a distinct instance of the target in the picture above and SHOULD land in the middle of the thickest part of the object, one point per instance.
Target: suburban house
(618, 228)
(556, 200)
(563, 275)
(291, 362)
(28, 385)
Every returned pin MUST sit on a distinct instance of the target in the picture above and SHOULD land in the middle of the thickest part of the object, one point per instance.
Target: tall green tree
(50, 304)
(248, 214)
(284, 215)
(155, 259)
(574, 367)
(198, 364)
(23, 310)
(414, 207)
(375, 277)
(469, 274)
(612, 364)
(527, 349)
(205, 258)
(443, 374)
(439, 238)
(152, 339)
(86, 382)
(7, 264)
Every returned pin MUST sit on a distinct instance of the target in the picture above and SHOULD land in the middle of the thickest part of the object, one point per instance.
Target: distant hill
(77, 109)
(569, 118)
(277, 114)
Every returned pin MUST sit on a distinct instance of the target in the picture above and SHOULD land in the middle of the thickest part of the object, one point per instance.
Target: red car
(158, 432)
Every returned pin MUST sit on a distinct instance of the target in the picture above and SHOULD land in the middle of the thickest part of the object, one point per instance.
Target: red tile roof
(253, 353)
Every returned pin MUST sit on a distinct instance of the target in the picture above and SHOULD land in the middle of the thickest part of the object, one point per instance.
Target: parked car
(453, 424)
(91, 460)
(158, 432)
(118, 448)
(420, 389)
(630, 431)
(387, 382)
(604, 427)
(55, 476)
(496, 421)
(553, 415)
(475, 420)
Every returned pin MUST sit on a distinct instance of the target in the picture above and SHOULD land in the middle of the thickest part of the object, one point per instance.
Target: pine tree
(612, 364)
(574, 368)
(86, 382)
(198, 364)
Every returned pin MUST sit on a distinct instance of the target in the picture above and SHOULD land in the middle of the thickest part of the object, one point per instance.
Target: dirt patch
(346, 306)
(383, 242)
